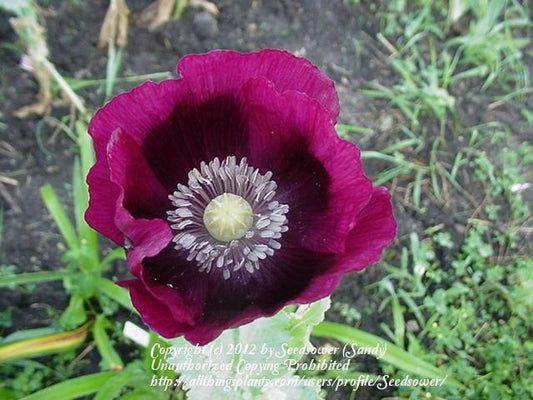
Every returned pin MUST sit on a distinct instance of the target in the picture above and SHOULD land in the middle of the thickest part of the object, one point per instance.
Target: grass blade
(59, 215)
(88, 237)
(399, 322)
(86, 148)
(114, 62)
(343, 130)
(394, 354)
(73, 388)
(105, 348)
(113, 387)
(116, 254)
(44, 345)
(81, 201)
(33, 277)
(117, 293)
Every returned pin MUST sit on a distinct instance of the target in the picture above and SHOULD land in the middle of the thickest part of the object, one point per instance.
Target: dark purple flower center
(227, 216)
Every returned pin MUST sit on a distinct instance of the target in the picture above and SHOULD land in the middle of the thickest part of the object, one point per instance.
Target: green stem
(391, 353)
(34, 277)
(67, 90)
(73, 388)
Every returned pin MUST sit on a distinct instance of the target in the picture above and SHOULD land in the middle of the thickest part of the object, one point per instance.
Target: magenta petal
(154, 313)
(140, 207)
(217, 304)
(206, 331)
(132, 192)
(103, 195)
(138, 112)
(183, 311)
(279, 112)
(147, 238)
(130, 181)
(142, 194)
(319, 175)
(225, 72)
(175, 127)
(149, 296)
(199, 130)
(375, 229)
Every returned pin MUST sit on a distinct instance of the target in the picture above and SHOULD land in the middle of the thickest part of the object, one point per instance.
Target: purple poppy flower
(232, 192)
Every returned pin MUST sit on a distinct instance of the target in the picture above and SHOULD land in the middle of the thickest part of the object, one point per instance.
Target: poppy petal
(319, 175)
(225, 72)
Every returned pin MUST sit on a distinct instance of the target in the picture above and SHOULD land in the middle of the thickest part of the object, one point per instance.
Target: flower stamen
(227, 217)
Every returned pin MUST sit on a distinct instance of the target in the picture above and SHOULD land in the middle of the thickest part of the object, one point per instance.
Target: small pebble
(205, 25)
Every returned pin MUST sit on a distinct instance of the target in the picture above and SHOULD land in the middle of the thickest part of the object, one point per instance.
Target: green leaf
(343, 130)
(60, 217)
(393, 354)
(28, 334)
(86, 147)
(140, 396)
(114, 61)
(113, 387)
(33, 277)
(19, 7)
(116, 293)
(81, 201)
(73, 388)
(262, 342)
(303, 320)
(41, 345)
(79, 195)
(116, 254)
(8, 394)
(75, 314)
(105, 348)
(399, 322)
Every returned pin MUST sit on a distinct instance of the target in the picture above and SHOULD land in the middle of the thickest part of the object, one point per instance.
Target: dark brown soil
(330, 33)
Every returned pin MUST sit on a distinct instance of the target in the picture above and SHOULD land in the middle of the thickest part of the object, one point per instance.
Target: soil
(329, 33)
